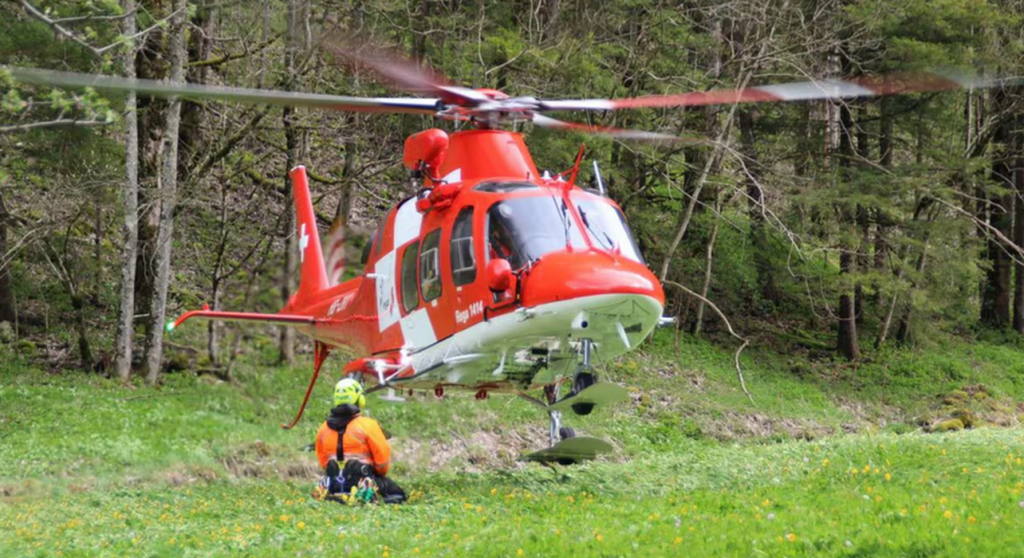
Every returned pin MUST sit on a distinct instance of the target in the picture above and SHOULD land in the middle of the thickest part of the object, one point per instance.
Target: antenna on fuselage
(597, 177)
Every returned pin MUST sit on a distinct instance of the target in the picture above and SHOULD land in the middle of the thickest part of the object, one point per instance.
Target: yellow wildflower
(971, 520)
(947, 514)
(790, 537)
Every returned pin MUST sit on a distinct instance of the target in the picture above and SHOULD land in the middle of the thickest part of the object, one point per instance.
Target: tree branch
(97, 51)
(60, 123)
(94, 17)
(736, 357)
(34, 12)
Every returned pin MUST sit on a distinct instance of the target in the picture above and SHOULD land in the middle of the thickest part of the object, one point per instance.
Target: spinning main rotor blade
(409, 105)
(406, 74)
(548, 122)
(871, 86)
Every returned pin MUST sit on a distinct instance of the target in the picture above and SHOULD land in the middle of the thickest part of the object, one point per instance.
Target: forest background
(839, 229)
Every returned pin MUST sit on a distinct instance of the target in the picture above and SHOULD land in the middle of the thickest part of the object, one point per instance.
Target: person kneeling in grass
(352, 449)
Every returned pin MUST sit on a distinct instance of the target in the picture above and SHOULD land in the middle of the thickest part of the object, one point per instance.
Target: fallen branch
(736, 357)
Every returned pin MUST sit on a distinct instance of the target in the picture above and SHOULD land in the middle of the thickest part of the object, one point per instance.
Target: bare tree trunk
(213, 328)
(293, 39)
(883, 333)
(996, 290)
(755, 199)
(863, 213)
(1018, 223)
(883, 220)
(708, 260)
(130, 227)
(84, 349)
(8, 313)
(168, 197)
(995, 304)
(903, 334)
(847, 342)
(864, 227)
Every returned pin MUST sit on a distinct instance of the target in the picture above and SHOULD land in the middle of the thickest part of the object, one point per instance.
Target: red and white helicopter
(493, 277)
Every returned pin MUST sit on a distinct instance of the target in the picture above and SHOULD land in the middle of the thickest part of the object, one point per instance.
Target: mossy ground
(829, 460)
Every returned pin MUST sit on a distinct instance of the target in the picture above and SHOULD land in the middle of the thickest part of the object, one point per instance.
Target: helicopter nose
(570, 275)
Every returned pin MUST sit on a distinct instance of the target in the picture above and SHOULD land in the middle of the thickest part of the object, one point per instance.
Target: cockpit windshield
(606, 226)
(522, 230)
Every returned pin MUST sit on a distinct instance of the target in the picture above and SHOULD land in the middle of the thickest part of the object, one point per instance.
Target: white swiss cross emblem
(303, 242)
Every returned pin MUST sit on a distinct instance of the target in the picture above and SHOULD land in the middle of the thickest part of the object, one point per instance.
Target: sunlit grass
(199, 468)
(888, 495)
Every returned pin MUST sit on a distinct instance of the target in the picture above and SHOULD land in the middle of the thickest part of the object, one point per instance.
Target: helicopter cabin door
(464, 246)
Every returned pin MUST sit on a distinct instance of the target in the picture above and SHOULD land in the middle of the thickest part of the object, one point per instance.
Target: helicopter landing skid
(571, 450)
(596, 395)
(586, 394)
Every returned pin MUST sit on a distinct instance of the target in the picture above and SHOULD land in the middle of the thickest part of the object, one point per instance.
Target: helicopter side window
(410, 296)
(463, 260)
(607, 227)
(430, 269)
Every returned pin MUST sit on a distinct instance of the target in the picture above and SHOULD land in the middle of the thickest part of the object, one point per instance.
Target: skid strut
(320, 353)
(556, 425)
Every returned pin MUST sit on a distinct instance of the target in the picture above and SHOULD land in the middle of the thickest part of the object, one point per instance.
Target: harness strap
(340, 452)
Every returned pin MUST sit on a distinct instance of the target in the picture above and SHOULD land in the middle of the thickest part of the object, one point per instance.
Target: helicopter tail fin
(312, 274)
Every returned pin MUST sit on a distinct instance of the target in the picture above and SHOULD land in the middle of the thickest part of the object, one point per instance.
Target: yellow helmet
(349, 392)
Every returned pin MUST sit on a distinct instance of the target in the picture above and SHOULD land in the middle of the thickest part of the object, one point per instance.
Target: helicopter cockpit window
(503, 187)
(410, 296)
(522, 230)
(463, 259)
(607, 227)
(430, 269)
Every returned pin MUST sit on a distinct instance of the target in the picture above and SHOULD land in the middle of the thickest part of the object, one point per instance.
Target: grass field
(828, 461)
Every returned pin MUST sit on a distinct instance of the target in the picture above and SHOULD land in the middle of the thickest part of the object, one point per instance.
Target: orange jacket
(363, 441)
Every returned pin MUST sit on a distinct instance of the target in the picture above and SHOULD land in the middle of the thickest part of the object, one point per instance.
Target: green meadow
(827, 460)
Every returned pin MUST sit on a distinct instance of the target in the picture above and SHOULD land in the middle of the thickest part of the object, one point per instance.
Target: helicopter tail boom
(280, 319)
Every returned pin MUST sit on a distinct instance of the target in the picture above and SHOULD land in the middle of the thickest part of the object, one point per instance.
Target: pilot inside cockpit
(500, 242)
